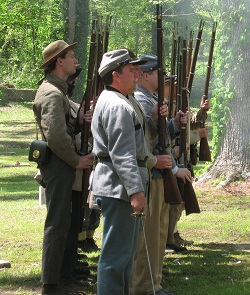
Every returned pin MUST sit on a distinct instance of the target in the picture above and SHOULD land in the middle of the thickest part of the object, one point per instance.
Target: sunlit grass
(218, 263)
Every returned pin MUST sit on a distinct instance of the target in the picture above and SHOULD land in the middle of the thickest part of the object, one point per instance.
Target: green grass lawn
(217, 263)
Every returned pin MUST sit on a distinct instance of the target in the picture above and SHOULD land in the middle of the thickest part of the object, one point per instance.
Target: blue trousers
(120, 234)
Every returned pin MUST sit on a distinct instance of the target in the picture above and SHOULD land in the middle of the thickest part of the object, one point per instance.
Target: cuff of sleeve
(175, 169)
(151, 162)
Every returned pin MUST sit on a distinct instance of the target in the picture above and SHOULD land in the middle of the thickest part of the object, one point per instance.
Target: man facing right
(147, 278)
(120, 177)
(52, 111)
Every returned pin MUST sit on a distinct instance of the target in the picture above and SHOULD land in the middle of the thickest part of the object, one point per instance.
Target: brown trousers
(156, 229)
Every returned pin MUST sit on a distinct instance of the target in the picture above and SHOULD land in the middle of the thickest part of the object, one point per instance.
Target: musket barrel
(171, 192)
(194, 58)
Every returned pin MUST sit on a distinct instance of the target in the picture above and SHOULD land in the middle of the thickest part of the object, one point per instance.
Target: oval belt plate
(36, 154)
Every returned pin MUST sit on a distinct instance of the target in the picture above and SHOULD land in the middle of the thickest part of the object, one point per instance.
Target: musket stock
(189, 197)
(171, 191)
(204, 151)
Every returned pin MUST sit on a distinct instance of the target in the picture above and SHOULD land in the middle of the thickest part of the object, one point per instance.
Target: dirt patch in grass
(239, 188)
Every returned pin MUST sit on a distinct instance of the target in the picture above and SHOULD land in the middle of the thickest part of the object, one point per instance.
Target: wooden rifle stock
(171, 192)
(189, 197)
(204, 152)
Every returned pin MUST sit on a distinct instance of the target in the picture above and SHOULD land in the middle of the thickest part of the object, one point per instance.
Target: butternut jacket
(119, 136)
(51, 107)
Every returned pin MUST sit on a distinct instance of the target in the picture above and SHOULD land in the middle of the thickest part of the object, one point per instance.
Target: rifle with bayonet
(171, 192)
(204, 152)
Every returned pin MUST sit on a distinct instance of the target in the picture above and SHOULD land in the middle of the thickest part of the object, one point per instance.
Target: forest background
(218, 263)
(28, 26)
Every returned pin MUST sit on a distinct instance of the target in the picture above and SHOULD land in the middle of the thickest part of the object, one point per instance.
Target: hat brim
(138, 61)
(54, 56)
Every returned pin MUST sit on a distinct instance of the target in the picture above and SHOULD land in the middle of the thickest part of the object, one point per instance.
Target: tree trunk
(233, 159)
(72, 20)
(82, 35)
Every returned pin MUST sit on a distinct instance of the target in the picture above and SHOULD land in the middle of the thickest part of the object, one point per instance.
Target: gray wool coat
(118, 135)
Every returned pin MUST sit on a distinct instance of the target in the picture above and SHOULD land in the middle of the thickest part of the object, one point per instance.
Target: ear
(59, 60)
(145, 76)
(116, 76)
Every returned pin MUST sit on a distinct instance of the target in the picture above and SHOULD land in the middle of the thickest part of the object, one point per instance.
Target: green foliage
(131, 23)
(25, 30)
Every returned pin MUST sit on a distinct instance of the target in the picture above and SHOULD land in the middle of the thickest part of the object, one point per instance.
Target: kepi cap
(151, 64)
(54, 50)
(113, 59)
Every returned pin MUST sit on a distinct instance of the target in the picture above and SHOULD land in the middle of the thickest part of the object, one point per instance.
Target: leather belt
(140, 163)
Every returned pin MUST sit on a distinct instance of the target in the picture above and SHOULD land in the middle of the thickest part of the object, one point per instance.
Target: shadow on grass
(20, 135)
(23, 187)
(209, 269)
(19, 197)
(6, 102)
(31, 282)
(226, 246)
(16, 281)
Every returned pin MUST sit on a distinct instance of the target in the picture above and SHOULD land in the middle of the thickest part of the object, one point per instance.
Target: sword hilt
(138, 214)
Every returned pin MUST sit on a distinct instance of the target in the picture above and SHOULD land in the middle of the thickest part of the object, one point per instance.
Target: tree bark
(233, 159)
(72, 20)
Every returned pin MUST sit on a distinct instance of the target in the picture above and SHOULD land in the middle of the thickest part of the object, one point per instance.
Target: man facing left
(52, 111)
